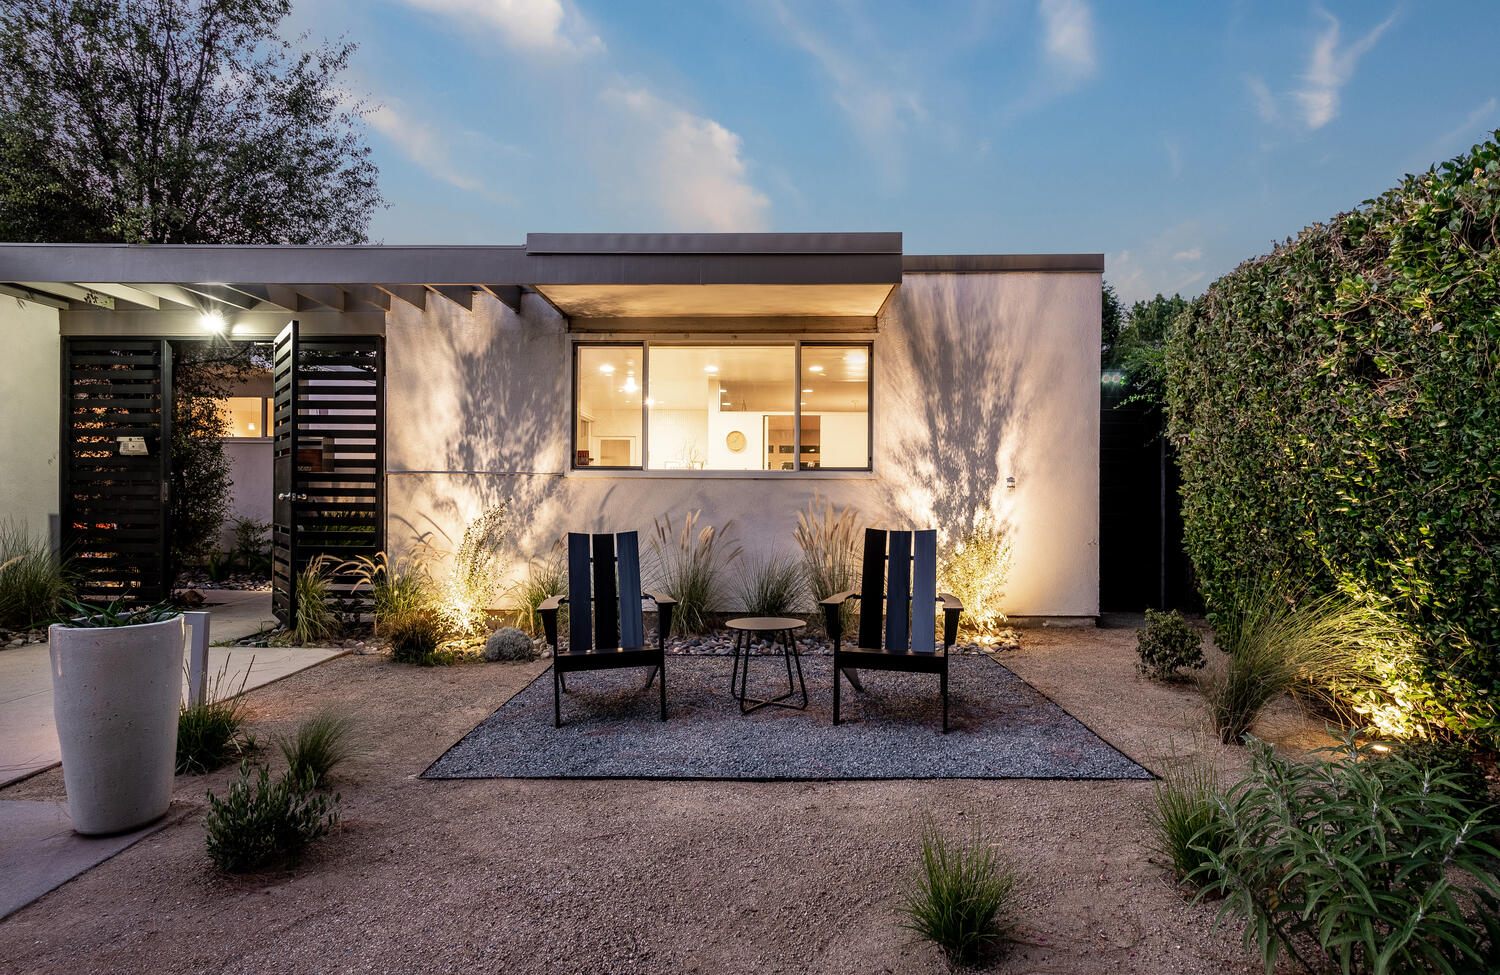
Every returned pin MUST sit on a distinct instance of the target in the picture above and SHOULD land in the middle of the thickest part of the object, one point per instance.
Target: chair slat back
(924, 592)
(872, 589)
(604, 592)
(898, 590)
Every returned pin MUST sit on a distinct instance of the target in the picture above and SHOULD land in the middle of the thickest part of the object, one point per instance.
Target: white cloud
(1174, 156)
(1467, 132)
(1166, 262)
(544, 26)
(1329, 69)
(431, 147)
(688, 167)
(1265, 102)
(1068, 39)
(1191, 254)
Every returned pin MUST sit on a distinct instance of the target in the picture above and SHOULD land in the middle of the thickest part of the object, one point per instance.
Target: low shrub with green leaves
(689, 566)
(770, 586)
(33, 580)
(963, 895)
(1185, 819)
(973, 565)
(1166, 645)
(319, 745)
(263, 823)
(403, 601)
(508, 643)
(1335, 406)
(212, 731)
(1357, 865)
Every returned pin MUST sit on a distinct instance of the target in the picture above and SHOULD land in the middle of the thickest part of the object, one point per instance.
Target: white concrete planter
(115, 696)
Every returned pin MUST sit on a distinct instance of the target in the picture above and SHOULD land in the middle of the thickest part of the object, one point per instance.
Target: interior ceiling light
(630, 385)
(814, 368)
(606, 369)
(807, 390)
(710, 369)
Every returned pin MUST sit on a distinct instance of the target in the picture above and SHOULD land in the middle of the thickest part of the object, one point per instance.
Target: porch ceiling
(586, 301)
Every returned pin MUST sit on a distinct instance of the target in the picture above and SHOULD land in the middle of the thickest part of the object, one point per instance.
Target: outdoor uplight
(212, 320)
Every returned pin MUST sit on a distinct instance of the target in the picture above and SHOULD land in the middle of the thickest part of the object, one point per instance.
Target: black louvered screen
(329, 459)
(117, 433)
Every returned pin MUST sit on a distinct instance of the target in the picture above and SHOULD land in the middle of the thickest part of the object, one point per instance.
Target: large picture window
(772, 407)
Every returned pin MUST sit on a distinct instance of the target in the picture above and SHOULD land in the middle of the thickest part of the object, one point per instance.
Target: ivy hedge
(1335, 405)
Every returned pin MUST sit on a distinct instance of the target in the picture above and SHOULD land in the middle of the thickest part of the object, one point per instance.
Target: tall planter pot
(115, 696)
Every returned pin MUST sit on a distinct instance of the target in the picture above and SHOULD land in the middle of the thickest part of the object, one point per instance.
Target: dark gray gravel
(1002, 728)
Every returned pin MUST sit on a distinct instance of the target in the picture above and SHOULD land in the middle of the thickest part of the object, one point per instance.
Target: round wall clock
(735, 441)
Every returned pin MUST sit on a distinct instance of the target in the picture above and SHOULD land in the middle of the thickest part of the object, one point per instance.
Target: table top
(765, 623)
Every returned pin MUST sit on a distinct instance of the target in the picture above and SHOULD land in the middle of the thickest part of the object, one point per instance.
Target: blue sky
(1179, 138)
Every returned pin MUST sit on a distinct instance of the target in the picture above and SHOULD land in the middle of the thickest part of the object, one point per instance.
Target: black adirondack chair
(898, 601)
(604, 575)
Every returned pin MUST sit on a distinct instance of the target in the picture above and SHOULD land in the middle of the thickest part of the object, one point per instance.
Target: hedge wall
(1336, 409)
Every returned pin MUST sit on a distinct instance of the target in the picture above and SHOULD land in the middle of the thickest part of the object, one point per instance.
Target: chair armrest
(552, 603)
(664, 606)
(832, 621)
(952, 608)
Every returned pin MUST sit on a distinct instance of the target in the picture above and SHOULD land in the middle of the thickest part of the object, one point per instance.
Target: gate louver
(117, 425)
(329, 457)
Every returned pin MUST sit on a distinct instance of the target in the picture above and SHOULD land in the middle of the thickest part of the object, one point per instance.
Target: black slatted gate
(116, 445)
(329, 456)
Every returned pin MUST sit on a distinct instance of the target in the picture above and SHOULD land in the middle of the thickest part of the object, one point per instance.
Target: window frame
(645, 342)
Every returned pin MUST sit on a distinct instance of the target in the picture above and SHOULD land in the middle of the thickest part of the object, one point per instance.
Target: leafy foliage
(320, 744)
(212, 731)
(176, 121)
(1377, 863)
(831, 551)
(33, 579)
(689, 567)
(771, 586)
(121, 612)
(464, 596)
(262, 823)
(974, 567)
(1166, 644)
(1111, 321)
(252, 545)
(1186, 821)
(403, 601)
(1336, 409)
(962, 897)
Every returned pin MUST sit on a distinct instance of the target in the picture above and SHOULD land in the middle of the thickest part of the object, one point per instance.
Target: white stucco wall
(29, 414)
(977, 377)
(250, 468)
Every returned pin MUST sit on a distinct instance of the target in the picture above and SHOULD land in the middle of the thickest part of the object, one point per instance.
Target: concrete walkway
(28, 737)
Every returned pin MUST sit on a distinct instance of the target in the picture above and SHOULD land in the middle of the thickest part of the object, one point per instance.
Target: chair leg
(662, 667)
(945, 696)
(556, 696)
(836, 683)
(563, 681)
(651, 677)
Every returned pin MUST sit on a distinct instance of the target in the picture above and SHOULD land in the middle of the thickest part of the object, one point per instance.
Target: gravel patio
(523, 875)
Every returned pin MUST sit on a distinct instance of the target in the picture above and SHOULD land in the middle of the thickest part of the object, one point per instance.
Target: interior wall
(30, 414)
(977, 378)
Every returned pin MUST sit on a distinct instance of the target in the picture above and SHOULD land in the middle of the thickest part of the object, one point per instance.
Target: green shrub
(1315, 648)
(974, 567)
(689, 566)
(314, 620)
(211, 732)
(320, 743)
(544, 579)
(1374, 862)
(33, 581)
(252, 547)
(1335, 406)
(1186, 820)
(508, 643)
(962, 897)
(1166, 644)
(1459, 761)
(771, 586)
(832, 549)
(464, 596)
(262, 823)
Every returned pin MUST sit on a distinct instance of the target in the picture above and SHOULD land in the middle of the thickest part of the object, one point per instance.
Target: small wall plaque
(132, 446)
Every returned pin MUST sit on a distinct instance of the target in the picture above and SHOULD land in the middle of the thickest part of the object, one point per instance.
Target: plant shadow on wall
(956, 428)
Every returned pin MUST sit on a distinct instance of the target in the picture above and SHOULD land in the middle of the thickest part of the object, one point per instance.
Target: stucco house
(598, 381)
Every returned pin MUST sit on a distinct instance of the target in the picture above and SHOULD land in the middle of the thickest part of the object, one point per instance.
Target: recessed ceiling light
(630, 385)
(606, 368)
(807, 390)
(710, 368)
(855, 358)
(814, 368)
(804, 402)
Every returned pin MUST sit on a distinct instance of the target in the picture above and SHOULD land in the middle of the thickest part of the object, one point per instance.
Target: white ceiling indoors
(756, 378)
(716, 300)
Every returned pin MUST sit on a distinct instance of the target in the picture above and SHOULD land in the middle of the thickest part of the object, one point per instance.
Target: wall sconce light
(1010, 484)
(213, 321)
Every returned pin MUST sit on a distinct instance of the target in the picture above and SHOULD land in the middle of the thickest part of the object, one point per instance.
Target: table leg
(796, 653)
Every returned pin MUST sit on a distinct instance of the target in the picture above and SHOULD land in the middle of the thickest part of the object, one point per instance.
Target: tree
(1140, 349)
(176, 121)
(1111, 320)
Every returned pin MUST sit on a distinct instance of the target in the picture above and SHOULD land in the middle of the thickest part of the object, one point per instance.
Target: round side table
(781, 632)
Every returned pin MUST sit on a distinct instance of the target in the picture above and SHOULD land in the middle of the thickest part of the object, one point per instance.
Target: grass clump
(314, 621)
(831, 552)
(974, 568)
(545, 578)
(211, 732)
(320, 744)
(1186, 820)
(263, 823)
(1356, 865)
(771, 586)
(403, 602)
(33, 580)
(1316, 649)
(1166, 644)
(962, 897)
(689, 566)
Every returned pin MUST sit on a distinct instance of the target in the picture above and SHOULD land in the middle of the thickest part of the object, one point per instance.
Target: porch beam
(222, 294)
(369, 295)
(26, 294)
(174, 294)
(508, 295)
(327, 295)
(413, 294)
(125, 293)
(461, 295)
(72, 292)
